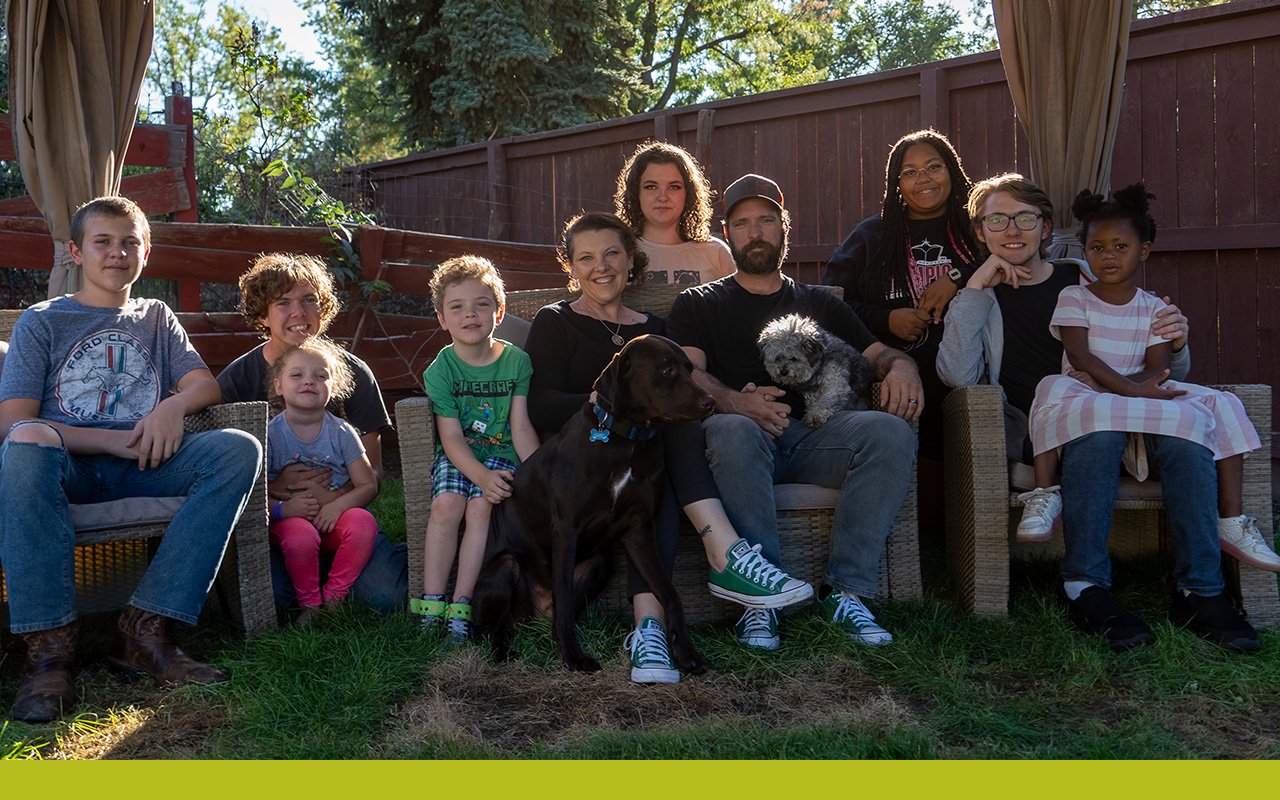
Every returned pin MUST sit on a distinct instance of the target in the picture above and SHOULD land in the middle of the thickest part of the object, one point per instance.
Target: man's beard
(759, 257)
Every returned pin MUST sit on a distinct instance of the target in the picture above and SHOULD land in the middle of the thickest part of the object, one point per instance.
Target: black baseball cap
(751, 185)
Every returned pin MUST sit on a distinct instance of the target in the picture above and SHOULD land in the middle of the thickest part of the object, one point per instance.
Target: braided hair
(1132, 203)
(891, 255)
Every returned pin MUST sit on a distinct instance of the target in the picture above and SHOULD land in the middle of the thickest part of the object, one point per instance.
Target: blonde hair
(109, 206)
(342, 381)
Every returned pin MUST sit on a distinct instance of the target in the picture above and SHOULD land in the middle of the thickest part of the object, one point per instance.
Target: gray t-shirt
(96, 367)
(337, 446)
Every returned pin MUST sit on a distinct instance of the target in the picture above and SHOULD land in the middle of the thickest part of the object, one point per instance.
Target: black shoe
(1215, 619)
(1096, 611)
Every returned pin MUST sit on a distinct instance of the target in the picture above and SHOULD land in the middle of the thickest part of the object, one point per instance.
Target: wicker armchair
(804, 511)
(109, 561)
(980, 499)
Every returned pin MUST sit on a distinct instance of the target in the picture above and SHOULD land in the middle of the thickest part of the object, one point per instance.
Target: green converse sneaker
(750, 580)
(431, 608)
(758, 628)
(853, 616)
(650, 658)
(457, 623)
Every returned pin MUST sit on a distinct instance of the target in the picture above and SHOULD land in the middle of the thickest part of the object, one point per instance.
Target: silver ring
(912, 400)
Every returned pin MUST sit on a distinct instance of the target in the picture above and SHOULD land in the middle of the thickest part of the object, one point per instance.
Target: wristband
(277, 510)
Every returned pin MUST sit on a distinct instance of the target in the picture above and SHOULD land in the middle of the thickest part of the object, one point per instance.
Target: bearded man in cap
(756, 438)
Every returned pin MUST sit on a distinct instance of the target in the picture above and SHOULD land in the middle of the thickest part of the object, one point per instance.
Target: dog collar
(605, 423)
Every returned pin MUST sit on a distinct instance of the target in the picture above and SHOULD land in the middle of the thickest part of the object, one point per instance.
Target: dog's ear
(610, 378)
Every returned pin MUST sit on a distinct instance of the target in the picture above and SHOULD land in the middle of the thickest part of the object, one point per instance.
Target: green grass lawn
(356, 685)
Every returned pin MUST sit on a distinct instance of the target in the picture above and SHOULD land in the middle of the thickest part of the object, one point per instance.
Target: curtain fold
(75, 73)
(1065, 60)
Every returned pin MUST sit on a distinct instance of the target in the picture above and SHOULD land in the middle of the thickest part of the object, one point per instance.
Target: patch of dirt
(1219, 730)
(511, 707)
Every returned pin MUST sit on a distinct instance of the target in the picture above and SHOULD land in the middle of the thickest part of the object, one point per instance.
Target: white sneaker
(758, 628)
(1041, 511)
(1240, 537)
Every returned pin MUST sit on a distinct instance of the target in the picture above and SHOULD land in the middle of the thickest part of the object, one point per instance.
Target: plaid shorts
(445, 477)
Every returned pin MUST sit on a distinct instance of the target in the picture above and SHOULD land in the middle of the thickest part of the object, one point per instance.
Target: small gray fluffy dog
(828, 372)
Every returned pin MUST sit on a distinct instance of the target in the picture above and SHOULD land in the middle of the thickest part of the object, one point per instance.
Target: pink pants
(351, 543)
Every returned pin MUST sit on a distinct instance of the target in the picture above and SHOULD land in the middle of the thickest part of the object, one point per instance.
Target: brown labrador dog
(596, 480)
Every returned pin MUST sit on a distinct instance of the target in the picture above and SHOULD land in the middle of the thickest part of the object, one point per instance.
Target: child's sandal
(431, 611)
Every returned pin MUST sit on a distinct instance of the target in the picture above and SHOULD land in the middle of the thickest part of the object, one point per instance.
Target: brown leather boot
(142, 646)
(47, 688)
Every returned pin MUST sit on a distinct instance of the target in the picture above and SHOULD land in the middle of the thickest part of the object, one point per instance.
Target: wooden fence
(1199, 124)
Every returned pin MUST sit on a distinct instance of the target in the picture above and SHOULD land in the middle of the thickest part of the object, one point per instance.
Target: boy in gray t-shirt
(92, 400)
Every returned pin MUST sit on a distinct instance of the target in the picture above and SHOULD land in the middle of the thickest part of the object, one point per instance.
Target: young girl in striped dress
(1105, 331)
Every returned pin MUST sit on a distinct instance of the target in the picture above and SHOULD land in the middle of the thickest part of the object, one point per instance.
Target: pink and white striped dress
(1065, 409)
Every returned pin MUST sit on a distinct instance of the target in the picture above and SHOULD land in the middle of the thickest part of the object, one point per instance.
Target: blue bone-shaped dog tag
(598, 435)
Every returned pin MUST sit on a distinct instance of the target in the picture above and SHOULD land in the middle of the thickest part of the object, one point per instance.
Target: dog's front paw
(581, 663)
(689, 659)
(816, 419)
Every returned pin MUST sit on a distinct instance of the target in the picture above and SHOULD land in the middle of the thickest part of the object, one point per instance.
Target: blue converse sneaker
(750, 580)
(853, 616)
(758, 628)
(650, 657)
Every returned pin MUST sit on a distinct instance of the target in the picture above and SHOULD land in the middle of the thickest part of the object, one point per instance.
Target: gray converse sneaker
(750, 580)
(1041, 510)
(758, 628)
(853, 616)
(650, 657)
(1240, 538)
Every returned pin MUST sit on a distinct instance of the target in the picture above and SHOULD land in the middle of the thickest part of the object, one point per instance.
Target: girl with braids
(665, 200)
(303, 379)
(900, 268)
(1105, 328)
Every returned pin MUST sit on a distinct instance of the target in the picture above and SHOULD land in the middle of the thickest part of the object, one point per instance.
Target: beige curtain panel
(1065, 60)
(75, 72)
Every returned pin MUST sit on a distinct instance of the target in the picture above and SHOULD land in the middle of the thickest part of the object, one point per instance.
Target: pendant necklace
(615, 335)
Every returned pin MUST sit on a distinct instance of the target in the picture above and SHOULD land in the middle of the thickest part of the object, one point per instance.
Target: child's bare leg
(447, 510)
(1231, 486)
(1046, 468)
(471, 553)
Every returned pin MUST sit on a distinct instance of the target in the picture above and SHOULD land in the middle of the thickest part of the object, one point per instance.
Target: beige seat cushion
(128, 513)
(1022, 478)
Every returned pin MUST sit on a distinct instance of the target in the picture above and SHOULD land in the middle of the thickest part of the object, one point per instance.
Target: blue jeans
(867, 455)
(215, 470)
(383, 584)
(1189, 483)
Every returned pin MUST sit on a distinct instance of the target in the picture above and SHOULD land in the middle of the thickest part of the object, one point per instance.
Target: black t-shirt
(247, 379)
(723, 320)
(1030, 351)
(569, 351)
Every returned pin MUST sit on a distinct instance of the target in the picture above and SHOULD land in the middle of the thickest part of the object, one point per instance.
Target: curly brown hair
(601, 221)
(464, 268)
(695, 218)
(274, 275)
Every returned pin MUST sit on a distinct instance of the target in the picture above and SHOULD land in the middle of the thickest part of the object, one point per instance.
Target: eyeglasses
(1026, 221)
(933, 170)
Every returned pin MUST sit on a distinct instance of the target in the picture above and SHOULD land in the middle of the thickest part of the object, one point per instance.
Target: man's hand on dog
(760, 403)
(497, 485)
